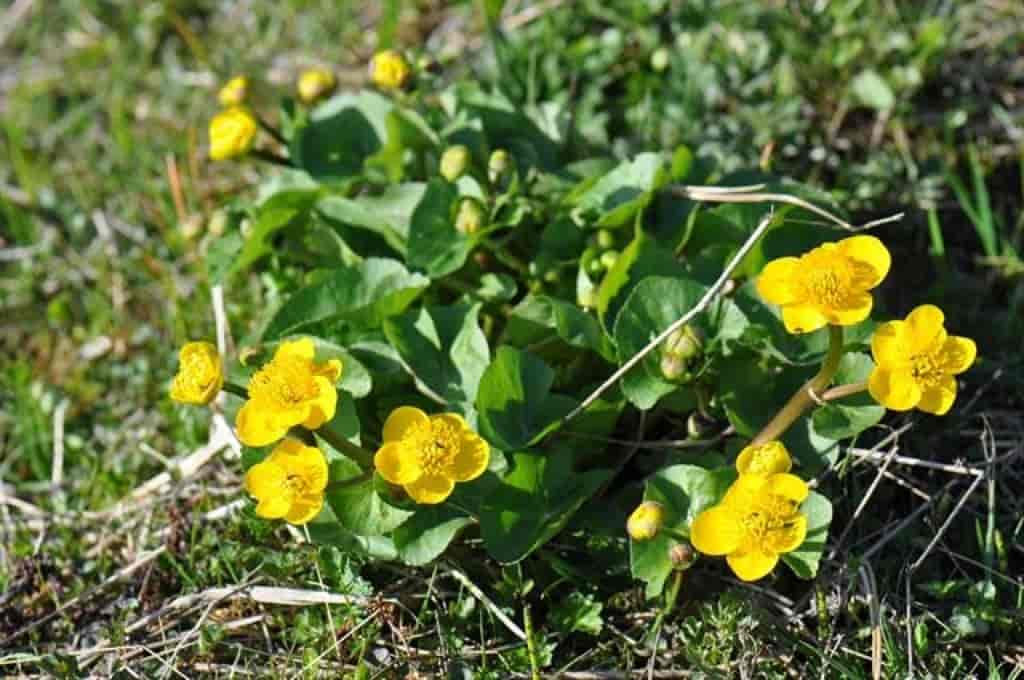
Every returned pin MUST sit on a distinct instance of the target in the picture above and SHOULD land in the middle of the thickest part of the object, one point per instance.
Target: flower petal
(401, 420)
(939, 399)
(925, 328)
(788, 486)
(744, 491)
(268, 483)
(306, 462)
(803, 318)
(958, 354)
(396, 464)
(305, 508)
(472, 459)
(257, 425)
(330, 369)
(855, 308)
(870, 251)
(788, 537)
(752, 564)
(894, 388)
(430, 489)
(889, 344)
(765, 459)
(716, 531)
(324, 406)
(302, 348)
(774, 285)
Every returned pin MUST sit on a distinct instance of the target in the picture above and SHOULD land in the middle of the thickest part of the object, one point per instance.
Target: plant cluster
(453, 284)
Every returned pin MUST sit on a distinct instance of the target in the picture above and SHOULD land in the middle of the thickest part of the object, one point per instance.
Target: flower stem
(807, 394)
(270, 157)
(237, 390)
(357, 453)
(351, 481)
(843, 391)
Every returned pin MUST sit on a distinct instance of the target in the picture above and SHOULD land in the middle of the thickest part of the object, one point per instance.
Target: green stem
(270, 157)
(237, 390)
(272, 131)
(351, 481)
(357, 453)
(806, 395)
(843, 391)
(531, 645)
(505, 257)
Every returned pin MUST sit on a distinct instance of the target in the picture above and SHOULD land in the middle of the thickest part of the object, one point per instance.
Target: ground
(108, 568)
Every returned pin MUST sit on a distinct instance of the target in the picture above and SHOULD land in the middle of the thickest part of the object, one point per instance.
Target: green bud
(454, 162)
(605, 239)
(645, 522)
(687, 342)
(698, 426)
(499, 166)
(609, 258)
(595, 267)
(674, 368)
(682, 556)
(470, 217)
(587, 299)
(660, 59)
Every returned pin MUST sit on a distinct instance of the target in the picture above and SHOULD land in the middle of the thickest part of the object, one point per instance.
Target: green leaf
(535, 318)
(804, 560)
(282, 210)
(443, 348)
(325, 530)
(654, 305)
(435, 246)
(343, 132)
(222, 254)
(684, 491)
(367, 294)
(514, 402)
(643, 257)
(852, 415)
(577, 613)
(359, 507)
(615, 199)
(534, 501)
(387, 215)
(425, 535)
(871, 90)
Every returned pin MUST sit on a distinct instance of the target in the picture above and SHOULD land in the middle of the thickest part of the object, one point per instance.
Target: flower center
(436, 444)
(767, 515)
(926, 369)
(297, 483)
(284, 382)
(827, 278)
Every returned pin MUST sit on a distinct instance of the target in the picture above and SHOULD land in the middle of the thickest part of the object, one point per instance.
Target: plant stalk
(805, 396)
(237, 390)
(361, 456)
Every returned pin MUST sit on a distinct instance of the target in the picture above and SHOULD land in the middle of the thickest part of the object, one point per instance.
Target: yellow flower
(765, 459)
(234, 91)
(645, 522)
(200, 374)
(758, 520)
(290, 390)
(232, 132)
(915, 361)
(316, 83)
(426, 455)
(389, 70)
(827, 285)
(290, 483)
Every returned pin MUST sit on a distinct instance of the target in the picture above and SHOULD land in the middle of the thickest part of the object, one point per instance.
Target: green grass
(94, 99)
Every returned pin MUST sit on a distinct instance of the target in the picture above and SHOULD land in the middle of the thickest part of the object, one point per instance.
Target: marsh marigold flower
(232, 132)
(200, 374)
(827, 285)
(234, 91)
(290, 483)
(289, 390)
(764, 459)
(316, 83)
(389, 70)
(646, 521)
(915, 361)
(426, 455)
(758, 520)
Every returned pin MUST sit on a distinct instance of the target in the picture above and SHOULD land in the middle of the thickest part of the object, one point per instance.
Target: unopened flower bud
(675, 368)
(686, 342)
(389, 70)
(698, 426)
(248, 355)
(499, 166)
(470, 217)
(609, 258)
(315, 84)
(605, 239)
(232, 132)
(234, 91)
(646, 521)
(682, 555)
(191, 226)
(454, 162)
(587, 299)
(660, 59)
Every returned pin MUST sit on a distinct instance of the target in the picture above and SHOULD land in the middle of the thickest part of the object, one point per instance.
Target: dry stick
(892, 533)
(945, 525)
(710, 295)
(488, 602)
(57, 473)
(916, 462)
(864, 501)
